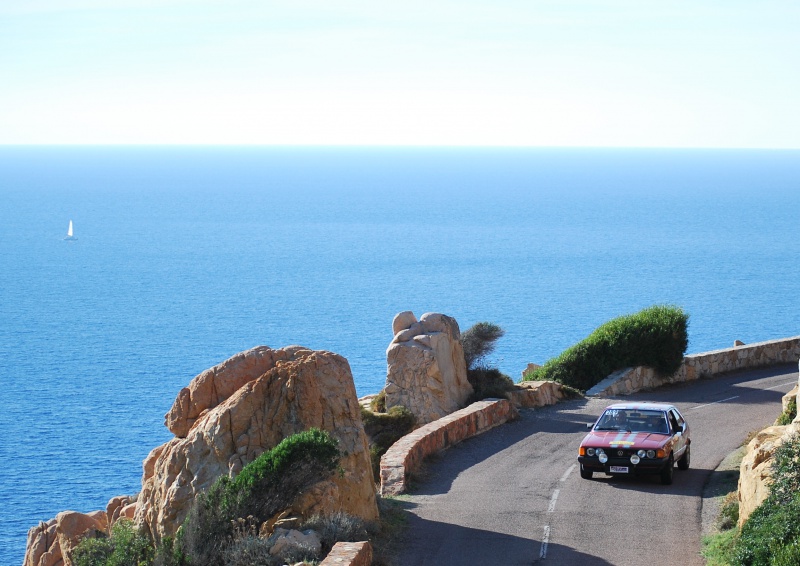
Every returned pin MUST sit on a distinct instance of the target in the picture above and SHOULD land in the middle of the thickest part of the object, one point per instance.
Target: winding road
(513, 495)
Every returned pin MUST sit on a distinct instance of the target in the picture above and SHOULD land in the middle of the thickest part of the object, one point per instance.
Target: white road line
(545, 541)
(552, 506)
(781, 385)
(714, 403)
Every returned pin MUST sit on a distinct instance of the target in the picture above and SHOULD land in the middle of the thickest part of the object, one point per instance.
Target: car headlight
(635, 459)
(590, 452)
(641, 453)
(602, 456)
(651, 453)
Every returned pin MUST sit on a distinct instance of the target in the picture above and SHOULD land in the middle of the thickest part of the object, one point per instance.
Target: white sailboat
(70, 235)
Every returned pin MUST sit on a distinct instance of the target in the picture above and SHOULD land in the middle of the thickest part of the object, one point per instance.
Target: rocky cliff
(225, 418)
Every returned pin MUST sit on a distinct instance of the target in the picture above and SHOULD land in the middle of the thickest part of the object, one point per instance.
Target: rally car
(636, 439)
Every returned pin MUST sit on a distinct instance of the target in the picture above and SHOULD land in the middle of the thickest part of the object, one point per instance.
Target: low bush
(656, 337)
(383, 430)
(125, 546)
(337, 527)
(767, 533)
(488, 382)
(264, 487)
(378, 403)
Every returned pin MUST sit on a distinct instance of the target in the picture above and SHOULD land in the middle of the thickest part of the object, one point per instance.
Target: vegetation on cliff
(656, 337)
(263, 488)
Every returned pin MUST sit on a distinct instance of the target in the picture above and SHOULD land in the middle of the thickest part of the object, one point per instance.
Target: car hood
(623, 439)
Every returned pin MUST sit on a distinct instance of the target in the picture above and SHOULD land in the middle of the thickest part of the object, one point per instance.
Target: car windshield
(633, 420)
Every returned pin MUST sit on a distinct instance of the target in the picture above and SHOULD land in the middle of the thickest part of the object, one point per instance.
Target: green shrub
(488, 382)
(769, 529)
(478, 341)
(125, 547)
(264, 487)
(729, 513)
(656, 337)
(383, 430)
(789, 414)
(718, 548)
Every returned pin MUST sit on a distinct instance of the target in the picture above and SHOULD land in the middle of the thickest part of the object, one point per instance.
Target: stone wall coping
(743, 347)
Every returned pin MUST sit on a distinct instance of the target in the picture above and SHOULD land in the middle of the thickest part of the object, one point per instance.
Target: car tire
(586, 474)
(683, 463)
(666, 472)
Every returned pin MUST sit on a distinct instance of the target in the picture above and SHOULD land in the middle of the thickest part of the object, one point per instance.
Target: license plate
(618, 469)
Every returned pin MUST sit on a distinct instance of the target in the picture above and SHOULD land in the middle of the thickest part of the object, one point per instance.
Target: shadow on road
(448, 544)
(685, 482)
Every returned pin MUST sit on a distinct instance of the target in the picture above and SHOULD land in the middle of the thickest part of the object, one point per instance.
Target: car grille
(620, 452)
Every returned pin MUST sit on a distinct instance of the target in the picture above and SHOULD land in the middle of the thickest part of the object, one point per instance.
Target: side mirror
(589, 425)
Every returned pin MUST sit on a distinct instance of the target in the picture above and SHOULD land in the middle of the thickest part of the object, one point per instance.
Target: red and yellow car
(636, 439)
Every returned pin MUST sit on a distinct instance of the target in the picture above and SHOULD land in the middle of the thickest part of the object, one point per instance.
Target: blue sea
(186, 256)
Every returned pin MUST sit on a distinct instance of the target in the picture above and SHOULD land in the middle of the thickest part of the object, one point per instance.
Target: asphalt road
(513, 495)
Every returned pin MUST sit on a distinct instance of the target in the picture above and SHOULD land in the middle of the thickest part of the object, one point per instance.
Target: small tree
(478, 341)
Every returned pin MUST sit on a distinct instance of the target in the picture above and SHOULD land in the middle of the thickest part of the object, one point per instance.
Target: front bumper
(645, 465)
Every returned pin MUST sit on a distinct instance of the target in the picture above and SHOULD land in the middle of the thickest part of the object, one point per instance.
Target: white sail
(70, 236)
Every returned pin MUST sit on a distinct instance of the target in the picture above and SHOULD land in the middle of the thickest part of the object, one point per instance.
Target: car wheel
(666, 473)
(683, 463)
(586, 474)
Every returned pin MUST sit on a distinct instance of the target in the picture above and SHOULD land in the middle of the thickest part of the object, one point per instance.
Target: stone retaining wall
(706, 364)
(406, 455)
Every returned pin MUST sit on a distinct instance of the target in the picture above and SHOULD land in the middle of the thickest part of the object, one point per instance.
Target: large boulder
(280, 393)
(426, 370)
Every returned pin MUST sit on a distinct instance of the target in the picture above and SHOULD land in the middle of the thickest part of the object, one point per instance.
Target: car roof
(641, 406)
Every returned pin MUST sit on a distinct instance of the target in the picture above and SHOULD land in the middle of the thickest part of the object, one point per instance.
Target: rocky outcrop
(231, 414)
(426, 370)
(755, 472)
(51, 543)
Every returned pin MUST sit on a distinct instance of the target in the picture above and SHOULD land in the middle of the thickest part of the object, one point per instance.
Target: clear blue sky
(668, 73)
